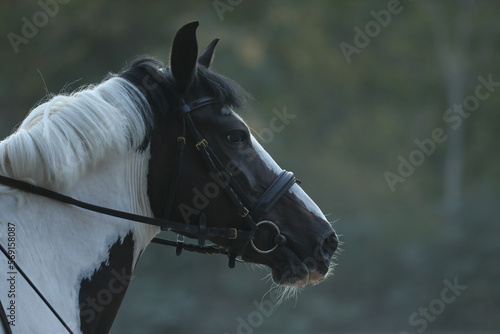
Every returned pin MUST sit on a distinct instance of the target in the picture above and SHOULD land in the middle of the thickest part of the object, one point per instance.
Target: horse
(90, 178)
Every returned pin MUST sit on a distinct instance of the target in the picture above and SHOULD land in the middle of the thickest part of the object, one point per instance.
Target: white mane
(60, 139)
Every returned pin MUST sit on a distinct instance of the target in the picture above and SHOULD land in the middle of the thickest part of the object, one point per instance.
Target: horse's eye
(236, 137)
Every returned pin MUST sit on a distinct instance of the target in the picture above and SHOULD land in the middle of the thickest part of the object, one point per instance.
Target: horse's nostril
(329, 246)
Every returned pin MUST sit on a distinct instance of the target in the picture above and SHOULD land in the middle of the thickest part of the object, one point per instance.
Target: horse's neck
(62, 248)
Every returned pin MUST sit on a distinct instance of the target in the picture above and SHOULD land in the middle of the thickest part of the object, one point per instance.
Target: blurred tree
(453, 47)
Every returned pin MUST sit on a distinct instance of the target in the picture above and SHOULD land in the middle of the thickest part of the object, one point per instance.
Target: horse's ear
(206, 58)
(183, 56)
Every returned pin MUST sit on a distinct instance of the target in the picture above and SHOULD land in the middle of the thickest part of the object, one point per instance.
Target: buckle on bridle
(244, 213)
(235, 234)
(203, 143)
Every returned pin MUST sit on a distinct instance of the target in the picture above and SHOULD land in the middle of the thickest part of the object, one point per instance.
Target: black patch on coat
(101, 296)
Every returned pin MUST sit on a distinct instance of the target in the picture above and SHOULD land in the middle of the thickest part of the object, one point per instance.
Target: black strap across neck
(165, 225)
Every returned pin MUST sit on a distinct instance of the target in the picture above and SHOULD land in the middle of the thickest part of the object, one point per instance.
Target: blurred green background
(367, 81)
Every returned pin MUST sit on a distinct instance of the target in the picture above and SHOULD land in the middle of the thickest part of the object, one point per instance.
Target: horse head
(236, 185)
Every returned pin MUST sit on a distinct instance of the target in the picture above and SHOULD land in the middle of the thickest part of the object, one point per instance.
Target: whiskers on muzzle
(278, 294)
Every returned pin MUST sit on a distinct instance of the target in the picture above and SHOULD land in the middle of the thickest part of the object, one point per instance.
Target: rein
(249, 211)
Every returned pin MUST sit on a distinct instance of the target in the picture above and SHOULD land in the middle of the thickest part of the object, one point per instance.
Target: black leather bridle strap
(275, 191)
(192, 248)
(244, 197)
(200, 103)
(181, 144)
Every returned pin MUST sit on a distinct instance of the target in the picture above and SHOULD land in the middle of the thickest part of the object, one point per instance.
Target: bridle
(251, 212)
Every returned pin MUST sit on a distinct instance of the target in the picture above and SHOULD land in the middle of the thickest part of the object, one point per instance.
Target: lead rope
(33, 286)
